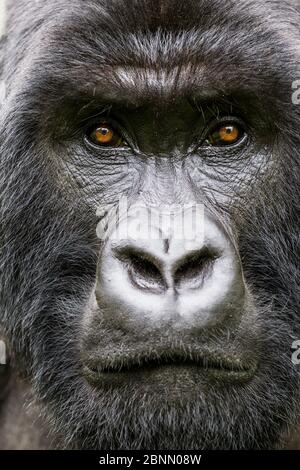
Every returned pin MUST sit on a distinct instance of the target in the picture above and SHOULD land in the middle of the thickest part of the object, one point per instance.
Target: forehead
(145, 32)
(135, 48)
(157, 33)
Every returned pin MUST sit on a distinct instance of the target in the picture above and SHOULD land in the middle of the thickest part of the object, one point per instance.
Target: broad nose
(160, 275)
(163, 266)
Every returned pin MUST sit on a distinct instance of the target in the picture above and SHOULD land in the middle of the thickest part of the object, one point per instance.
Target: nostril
(142, 269)
(194, 268)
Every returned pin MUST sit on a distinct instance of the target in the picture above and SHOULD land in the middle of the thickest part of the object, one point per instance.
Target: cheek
(100, 179)
(226, 179)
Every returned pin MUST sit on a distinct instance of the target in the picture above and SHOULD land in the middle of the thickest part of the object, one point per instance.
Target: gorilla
(149, 208)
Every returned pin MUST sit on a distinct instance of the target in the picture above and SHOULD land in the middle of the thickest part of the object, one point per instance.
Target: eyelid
(217, 122)
(99, 120)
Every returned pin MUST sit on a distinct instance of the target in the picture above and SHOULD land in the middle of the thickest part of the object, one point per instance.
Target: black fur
(47, 232)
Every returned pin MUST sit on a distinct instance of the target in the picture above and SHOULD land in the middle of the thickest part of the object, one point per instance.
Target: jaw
(178, 405)
(173, 411)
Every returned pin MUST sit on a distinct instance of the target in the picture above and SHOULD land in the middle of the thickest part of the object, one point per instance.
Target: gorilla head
(150, 170)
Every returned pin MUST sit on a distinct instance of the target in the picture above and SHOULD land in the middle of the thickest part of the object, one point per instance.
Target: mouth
(212, 366)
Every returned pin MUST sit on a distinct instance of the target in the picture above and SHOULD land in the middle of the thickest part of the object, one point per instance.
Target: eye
(105, 135)
(226, 134)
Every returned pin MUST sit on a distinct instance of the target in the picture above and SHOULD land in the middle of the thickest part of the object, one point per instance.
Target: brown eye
(226, 134)
(105, 135)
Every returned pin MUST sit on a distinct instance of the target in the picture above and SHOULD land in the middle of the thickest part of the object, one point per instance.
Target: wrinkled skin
(136, 342)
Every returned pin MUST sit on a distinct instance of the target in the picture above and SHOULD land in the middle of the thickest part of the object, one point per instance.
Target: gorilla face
(150, 218)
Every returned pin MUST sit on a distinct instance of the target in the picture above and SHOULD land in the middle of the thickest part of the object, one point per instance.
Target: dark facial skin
(147, 343)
